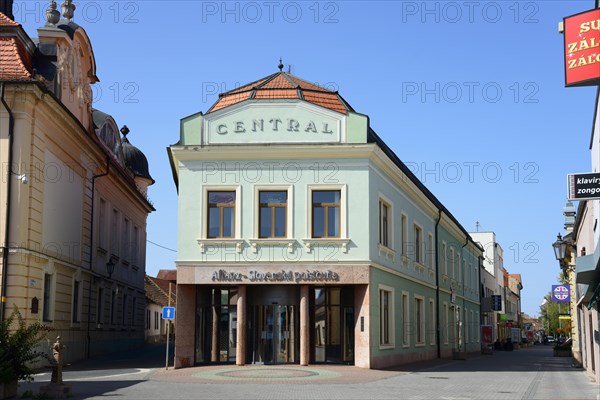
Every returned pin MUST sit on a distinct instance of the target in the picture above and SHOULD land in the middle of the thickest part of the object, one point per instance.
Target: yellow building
(73, 193)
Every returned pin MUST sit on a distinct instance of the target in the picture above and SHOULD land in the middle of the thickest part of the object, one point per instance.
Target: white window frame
(404, 229)
(391, 320)
(431, 251)
(50, 269)
(76, 314)
(343, 240)
(459, 266)
(445, 325)
(237, 226)
(383, 200)
(432, 326)
(452, 263)
(418, 256)
(420, 319)
(445, 255)
(405, 319)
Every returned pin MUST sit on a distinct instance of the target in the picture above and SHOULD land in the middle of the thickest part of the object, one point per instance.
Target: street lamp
(560, 249)
(110, 265)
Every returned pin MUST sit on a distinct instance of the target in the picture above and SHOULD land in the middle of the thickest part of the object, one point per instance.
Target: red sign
(486, 334)
(582, 49)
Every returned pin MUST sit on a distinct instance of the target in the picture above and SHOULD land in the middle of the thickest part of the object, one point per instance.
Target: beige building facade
(73, 193)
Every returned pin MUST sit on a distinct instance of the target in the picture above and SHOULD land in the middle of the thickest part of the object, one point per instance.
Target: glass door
(275, 334)
(333, 329)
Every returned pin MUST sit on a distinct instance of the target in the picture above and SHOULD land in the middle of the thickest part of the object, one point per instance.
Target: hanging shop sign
(584, 186)
(561, 294)
(582, 48)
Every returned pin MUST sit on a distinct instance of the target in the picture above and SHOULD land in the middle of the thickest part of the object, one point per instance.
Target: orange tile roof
(15, 62)
(5, 21)
(283, 86)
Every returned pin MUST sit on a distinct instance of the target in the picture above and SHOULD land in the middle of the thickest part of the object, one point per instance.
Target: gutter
(438, 340)
(89, 339)
(11, 123)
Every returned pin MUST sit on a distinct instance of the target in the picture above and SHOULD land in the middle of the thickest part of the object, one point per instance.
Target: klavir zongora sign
(582, 48)
(583, 186)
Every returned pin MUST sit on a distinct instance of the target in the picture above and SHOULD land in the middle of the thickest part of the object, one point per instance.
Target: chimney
(6, 8)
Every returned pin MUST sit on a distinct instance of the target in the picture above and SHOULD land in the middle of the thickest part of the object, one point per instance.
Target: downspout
(89, 339)
(480, 259)
(438, 341)
(463, 286)
(11, 123)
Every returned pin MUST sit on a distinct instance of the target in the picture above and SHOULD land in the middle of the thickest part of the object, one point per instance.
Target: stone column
(304, 329)
(240, 351)
(216, 317)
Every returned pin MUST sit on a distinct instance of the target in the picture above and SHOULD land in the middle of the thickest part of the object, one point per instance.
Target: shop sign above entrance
(280, 276)
(583, 186)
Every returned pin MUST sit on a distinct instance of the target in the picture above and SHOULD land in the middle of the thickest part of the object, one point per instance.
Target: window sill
(387, 347)
(101, 250)
(238, 243)
(418, 266)
(389, 253)
(405, 259)
(254, 243)
(419, 344)
(309, 243)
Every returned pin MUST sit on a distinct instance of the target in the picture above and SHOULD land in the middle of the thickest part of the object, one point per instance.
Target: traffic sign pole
(168, 326)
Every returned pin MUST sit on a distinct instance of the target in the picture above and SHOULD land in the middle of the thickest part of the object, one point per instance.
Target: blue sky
(469, 94)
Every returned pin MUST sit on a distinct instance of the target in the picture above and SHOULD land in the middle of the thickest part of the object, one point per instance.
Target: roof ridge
(290, 80)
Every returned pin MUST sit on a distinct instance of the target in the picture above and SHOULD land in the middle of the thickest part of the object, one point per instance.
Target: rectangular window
(452, 262)
(46, 312)
(124, 311)
(466, 326)
(148, 322)
(99, 306)
(272, 214)
(386, 328)
(102, 224)
(326, 213)
(221, 215)
(114, 233)
(405, 320)
(384, 226)
(445, 326)
(125, 247)
(134, 245)
(155, 320)
(132, 320)
(431, 249)
(75, 309)
(113, 300)
(473, 328)
(418, 244)
(404, 228)
(445, 255)
(458, 267)
(420, 320)
(432, 328)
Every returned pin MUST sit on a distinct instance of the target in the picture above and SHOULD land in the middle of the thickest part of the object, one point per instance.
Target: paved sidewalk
(530, 373)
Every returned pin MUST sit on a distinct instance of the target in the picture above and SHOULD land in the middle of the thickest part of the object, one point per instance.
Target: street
(531, 373)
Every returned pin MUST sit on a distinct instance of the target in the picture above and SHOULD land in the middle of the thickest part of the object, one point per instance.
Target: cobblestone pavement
(530, 373)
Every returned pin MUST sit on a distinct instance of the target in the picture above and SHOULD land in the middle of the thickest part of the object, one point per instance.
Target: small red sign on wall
(582, 49)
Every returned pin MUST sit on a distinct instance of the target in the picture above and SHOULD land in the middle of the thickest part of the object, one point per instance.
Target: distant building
(73, 193)
(158, 291)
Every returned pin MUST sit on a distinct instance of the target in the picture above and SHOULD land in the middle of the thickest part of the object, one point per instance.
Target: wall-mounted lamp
(110, 265)
(23, 178)
(560, 248)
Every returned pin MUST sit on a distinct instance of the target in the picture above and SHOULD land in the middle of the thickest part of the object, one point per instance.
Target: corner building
(304, 239)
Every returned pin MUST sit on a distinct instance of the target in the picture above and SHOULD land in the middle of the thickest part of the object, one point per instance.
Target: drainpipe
(463, 286)
(89, 339)
(11, 125)
(438, 341)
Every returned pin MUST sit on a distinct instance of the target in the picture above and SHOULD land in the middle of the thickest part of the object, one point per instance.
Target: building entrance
(275, 334)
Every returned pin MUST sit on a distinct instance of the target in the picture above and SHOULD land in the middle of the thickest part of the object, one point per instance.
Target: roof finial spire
(125, 131)
(52, 15)
(280, 66)
(68, 9)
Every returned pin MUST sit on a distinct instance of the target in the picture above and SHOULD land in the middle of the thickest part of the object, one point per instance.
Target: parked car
(551, 339)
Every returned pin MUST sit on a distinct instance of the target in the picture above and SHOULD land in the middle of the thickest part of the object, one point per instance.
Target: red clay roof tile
(14, 61)
(5, 21)
(282, 86)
